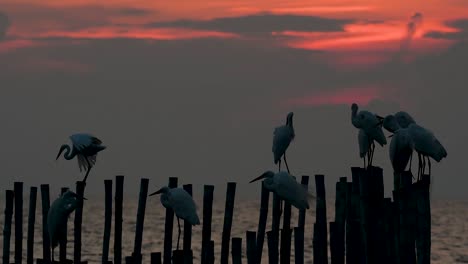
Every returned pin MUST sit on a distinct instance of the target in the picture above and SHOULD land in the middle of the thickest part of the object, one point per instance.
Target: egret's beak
(379, 117)
(391, 135)
(60, 152)
(259, 177)
(156, 192)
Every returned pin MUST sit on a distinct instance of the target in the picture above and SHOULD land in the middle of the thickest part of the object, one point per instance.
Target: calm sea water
(449, 229)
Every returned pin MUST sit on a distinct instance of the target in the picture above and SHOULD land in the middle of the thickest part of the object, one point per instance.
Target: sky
(194, 89)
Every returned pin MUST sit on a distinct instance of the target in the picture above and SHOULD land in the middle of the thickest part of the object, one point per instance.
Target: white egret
(371, 124)
(282, 137)
(57, 217)
(401, 145)
(181, 202)
(404, 119)
(286, 187)
(85, 147)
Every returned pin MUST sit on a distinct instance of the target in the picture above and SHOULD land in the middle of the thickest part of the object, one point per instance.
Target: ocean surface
(449, 229)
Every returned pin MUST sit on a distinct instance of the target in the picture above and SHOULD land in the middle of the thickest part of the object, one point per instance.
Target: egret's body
(401, 145)
(85, 147)
(371, 125)
(57, 218)
(286, 187)
(282, 137)
(181, 202)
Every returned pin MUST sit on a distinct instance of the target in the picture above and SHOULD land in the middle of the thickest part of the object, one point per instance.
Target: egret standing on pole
(57, 217)
(371, 124)
(282, 137)
(181, 202)
(286, 187)
(85, 147)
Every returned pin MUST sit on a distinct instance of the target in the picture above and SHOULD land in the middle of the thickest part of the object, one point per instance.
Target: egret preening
(371, 125)
(57, 217)
(401, 145)
(286, 187)
(85, 147)
(404, 119)
(282, 137)
(181, 202)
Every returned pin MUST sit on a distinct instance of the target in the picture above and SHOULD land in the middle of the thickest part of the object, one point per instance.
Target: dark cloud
(413, 24)
(260, 23)
(135, 12)
(4, 25)
(462, 34)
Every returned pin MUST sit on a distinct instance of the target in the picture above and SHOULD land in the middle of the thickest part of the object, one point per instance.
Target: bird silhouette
(85, 147)
(181, 202)
(286, 187)
(57, 217)
(371, 125)
(282, 137)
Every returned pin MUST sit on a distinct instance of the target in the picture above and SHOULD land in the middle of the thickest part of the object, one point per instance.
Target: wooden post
(207, 213)
(178, 257)
(63, 243)
(406, 247)
(129, 260)
(45, 231)
(119, 186)
(340, 220)
(298, 237)
(156, 258)
(9, 200)
(31, 223)
(18, 189)
(388, 238)
(354, 244)
(80, 187)
(188, 254)
(168, 227)
(320, 227)
(262, 220)
(236, 250)
(107, 220)
(211, 256)
(251, 247)
(285, 250)
(140, 220)
(423, 226)
(333, 243)
(299, 245)
(228, 213)
(272, 238)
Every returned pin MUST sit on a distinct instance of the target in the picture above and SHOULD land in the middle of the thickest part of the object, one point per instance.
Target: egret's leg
(419, 164)
(424, 167)
(279, 165)
(52, 255)
(372, 147)
(429, 164)
(285, 162)
(410, 160)
(178, 238)
(89, 169)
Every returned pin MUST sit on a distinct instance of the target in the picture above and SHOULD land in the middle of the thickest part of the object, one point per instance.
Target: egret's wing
(363, 141)
(184, 206)
(290, 190)
(82, 141)
(282, 137)
(426, 143)
(83, 164)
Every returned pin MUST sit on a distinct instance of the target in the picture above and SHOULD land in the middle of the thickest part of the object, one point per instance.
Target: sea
(449, 230)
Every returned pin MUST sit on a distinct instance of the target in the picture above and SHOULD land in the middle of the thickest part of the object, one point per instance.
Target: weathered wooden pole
(340, 220)
(118, 219)
(9, 200)
(320, 248)
(236, 250)
(299, 231)
(334, 243)
(272, 239)
(251, 247)
(178, 257)
(136, 255)
(423, 226)
(406, 207)
(156, 258)
(45, 232)
(63, 243)
(211, 256)
(31, 223)
(354, 243)
(388, 242)
(168, 226)
(18, 189)
(228, 214)
(187, 246)
(285, 249)
(262, 221)
(80, 187)
(107, 220)
(207, 213)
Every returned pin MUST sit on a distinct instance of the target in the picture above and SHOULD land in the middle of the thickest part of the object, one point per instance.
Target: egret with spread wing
(282, 137)
(181, 202)
(85, 147)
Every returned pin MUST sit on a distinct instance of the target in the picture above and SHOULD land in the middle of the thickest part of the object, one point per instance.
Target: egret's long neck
(69, 153)
(354, 116)
(289, 122)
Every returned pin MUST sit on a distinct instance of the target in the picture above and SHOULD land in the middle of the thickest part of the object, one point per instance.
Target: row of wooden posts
(368, 228)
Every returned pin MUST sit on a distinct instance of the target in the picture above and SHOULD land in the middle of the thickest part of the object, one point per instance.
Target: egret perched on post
(85, 147)
(282, 137)
(286, 187)
(57, 217)
(181, 202)
(371, 124)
